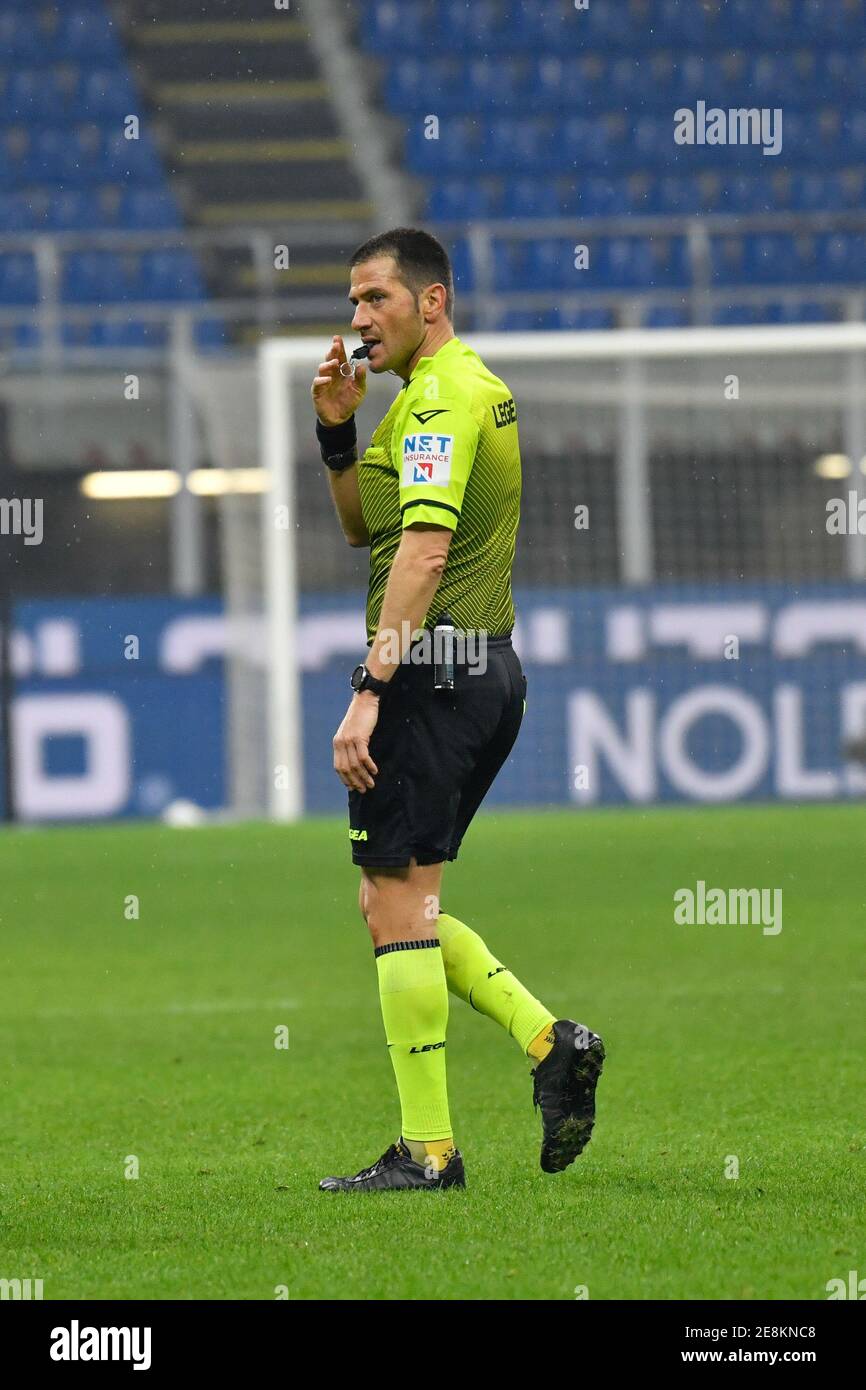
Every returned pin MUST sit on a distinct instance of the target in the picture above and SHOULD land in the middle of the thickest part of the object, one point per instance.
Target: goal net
(702, 464)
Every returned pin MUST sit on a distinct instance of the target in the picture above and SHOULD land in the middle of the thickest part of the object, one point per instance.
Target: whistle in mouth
(348, 368)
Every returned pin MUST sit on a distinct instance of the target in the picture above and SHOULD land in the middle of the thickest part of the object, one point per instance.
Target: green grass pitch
(153, 1039)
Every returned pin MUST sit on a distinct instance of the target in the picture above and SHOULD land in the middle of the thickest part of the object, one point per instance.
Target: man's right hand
(337, 397)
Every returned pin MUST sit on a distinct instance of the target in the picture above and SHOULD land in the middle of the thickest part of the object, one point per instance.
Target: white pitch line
(204, 1006)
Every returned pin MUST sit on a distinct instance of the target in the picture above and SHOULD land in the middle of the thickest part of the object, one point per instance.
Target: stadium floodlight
(619, 403)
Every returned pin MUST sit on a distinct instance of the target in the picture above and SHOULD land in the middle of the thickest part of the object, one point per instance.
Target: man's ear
(434, 299)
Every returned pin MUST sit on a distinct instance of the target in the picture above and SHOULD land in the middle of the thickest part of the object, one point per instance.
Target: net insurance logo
(427, 459)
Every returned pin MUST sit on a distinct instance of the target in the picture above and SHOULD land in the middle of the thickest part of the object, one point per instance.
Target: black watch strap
(338, 444)
(368, 682)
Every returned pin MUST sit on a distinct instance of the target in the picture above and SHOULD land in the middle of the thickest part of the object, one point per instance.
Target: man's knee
(400, 902)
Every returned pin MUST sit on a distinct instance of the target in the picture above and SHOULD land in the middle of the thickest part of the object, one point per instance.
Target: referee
(436, 497)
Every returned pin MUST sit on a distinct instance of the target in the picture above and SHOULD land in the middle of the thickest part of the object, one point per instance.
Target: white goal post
(674, 376)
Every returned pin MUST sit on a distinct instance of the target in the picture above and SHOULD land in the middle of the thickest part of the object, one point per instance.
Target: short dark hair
(421, 260)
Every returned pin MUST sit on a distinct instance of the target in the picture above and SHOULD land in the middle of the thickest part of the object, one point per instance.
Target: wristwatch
(361, 679)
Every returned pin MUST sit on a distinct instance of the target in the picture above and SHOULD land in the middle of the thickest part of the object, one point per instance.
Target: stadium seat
(148, 209)
(462, 267)
(22, 41)
(167, 275)
(770, 258)
(72, 158)
(33, 96)
(800, 311)
(840, 257)
(124, 333)
(128, 161)
(457, 199)
(666, 316)
(736, 315)
(17, 213)
(86, 33)
(529, 197)
(550, 265)
(93, 277)
(509, 260)
(586, 318)
(18, 279)
(528, 321)
(106, 94)
(211, 334)
(70, 210)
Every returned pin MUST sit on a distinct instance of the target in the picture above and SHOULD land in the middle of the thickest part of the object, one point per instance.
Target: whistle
(348, 368)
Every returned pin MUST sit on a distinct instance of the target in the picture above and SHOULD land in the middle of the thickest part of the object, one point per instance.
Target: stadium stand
(541, 117)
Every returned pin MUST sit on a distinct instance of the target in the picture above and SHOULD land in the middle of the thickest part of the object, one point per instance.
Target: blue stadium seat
(812, 190)
(462, 267)
(587, 318)
(33, 96)
(18, 280)
(211, 334)
(131, 160)
(528, 321)
(736, 315)
(169, 275)
(853, 133)
(556, 83)
(148, 209)
(509, 265)
(459, 148)
(25, 337)
(70, 210)
(393, 26)
(747, 193)
(597, 196)
(840, 257)
(681, 22)
(86, 33)
(678, 194)
(22, 41)
(550, 264)
(770, 258)
(71, 157)
(126, 333)
(94, 277)
(106, 94)
(528, 197)
(455, 200)
(490, 83)
(801, 311)
(17, 213)
(666, 316)
(518, 142)
(416, 84)
(773, 79)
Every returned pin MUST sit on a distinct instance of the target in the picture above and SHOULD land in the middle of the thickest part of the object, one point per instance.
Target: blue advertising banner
(686, 693)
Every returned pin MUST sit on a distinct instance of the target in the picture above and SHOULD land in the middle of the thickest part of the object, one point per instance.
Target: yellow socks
(482, 981)
(414, 998)
(433, 1153)
(540, 1046)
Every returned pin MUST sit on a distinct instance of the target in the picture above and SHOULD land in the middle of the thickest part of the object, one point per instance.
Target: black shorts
(438, 753)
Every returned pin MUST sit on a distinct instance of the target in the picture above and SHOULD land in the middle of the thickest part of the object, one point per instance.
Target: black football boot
(564, 1090)
(397, 1170)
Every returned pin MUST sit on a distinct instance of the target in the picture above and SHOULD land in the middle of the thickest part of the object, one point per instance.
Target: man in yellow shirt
(436, 497)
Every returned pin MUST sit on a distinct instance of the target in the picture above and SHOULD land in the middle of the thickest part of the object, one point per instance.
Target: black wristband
(338, 444)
